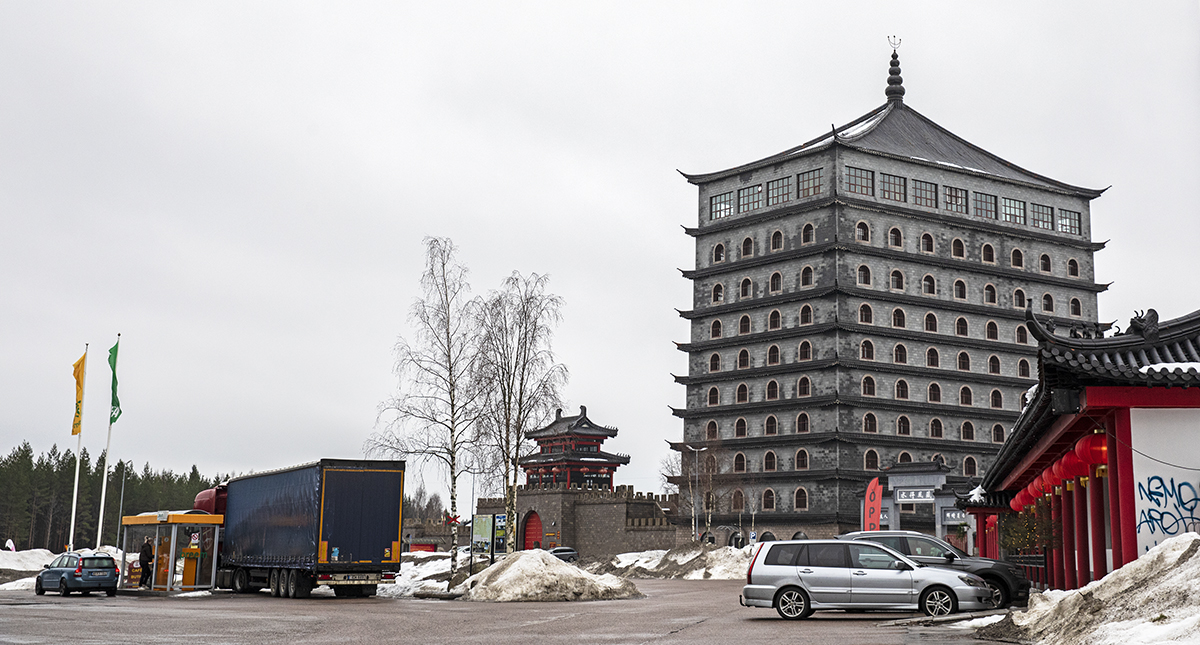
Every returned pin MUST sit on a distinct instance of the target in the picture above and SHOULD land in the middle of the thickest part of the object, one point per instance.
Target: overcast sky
(241, 189)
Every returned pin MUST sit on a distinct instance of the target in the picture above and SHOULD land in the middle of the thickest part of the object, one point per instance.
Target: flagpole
(78, 448)
(107, 446)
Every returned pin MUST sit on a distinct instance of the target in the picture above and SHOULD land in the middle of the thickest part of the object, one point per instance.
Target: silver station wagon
(798, 577)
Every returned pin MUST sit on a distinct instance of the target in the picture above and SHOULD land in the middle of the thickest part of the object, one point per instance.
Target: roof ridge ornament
(895, 83)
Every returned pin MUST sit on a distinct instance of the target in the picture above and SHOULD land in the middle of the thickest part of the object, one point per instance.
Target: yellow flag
(80, 367)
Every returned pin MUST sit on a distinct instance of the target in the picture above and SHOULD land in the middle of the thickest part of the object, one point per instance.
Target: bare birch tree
(433, 417)
(517, 370)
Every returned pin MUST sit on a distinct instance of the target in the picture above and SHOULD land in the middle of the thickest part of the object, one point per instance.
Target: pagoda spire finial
(895, 83)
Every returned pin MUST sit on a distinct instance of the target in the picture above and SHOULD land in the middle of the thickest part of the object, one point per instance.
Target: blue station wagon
(82, 572)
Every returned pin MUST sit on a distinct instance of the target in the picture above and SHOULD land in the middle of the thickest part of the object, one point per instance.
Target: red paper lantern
(1052, 476)
(1092, 449)
(1015, 505)
(1074, 466)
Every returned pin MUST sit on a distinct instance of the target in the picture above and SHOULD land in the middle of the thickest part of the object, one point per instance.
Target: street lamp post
(696, 477)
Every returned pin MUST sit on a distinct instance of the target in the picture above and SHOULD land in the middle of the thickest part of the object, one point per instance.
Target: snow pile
(30, 560)
(1154, 599)
(424, 571)
(692, 561)
(538, 576)
(976, 623)
(24, 584)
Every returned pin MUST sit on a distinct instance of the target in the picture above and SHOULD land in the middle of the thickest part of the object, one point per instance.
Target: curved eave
(1169, 332)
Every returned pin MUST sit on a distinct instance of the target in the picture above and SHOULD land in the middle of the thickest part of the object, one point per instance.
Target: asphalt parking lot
(673, 611)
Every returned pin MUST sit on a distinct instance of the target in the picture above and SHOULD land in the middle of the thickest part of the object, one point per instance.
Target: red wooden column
(1129, 546)
(1068, 532)
(1114, 499)
(1096, 501)
(980, 534)
(1057, 577)
(1083, 574)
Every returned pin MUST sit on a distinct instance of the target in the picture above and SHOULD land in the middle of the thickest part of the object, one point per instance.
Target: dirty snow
(422, 571)
(193, 594)
(692, 561)
(538, 576)
(30, 560)
(24, 584)
(976, 623)
(1154, 599)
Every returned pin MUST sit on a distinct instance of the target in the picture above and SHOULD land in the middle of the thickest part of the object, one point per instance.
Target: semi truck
(334, 522)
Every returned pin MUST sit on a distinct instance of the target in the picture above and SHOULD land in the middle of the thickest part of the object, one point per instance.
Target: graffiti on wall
(1166, 482)
(1167, 507)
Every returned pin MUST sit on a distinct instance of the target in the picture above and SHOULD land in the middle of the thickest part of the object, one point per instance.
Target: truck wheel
(289, 589)
(304, 585)
(241, 581)
(368, 590)
(274, 578)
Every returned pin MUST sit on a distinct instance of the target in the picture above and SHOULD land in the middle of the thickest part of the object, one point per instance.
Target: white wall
(1166, 473)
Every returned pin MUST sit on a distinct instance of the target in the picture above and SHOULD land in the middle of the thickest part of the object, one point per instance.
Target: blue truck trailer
(335, 522)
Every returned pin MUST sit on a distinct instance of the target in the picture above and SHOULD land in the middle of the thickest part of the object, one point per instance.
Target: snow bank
(24, 584)
(1154, 599)
(30, 560)
(538, 576)
(422, 571)
(692, 561)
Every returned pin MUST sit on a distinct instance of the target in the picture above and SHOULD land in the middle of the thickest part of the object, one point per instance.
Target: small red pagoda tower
(569, 453)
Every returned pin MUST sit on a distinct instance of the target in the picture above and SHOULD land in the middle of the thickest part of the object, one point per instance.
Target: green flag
(115, 413)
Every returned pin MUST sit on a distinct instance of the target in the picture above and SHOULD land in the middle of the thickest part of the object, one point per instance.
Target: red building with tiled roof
(569, 453)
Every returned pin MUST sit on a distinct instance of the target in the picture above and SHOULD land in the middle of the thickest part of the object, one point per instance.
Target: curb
(941, 620)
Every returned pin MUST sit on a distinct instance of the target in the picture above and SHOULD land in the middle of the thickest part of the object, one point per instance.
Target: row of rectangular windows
(778, 191)
(924, 193)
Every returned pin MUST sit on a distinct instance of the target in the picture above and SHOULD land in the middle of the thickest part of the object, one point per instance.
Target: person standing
(146, 560)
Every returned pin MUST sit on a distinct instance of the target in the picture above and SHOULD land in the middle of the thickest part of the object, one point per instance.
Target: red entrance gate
(533, 531)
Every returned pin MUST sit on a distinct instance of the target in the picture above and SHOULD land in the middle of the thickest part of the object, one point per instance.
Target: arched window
(774, 320)
(898, 318)
(901, 389)
(865, 315)
(747, 288)
(714, 363)
(988, 254)
(801, 459)
(895, 238)
(710, 464)
(805, 353)
(744, 325)
(997, 399)
(862, 232)
(776, 241)
(1018, 259)
(935, 428)
(868, 386)
(927, 243)
(739, 501)
(715, 330)
(993, 365)
(870, 423)
(768, 503)
(776, 283)
(964, 361)
(772, 390)
(1073, 268)
(1044, 263)
(903, 426)
(997, 433)
(714, 396)
(1022, 335)
(928, 286)
(747, 247)
(989, 295)
(802, 423)
(806, 315)
(964, 396)
(992, 331)
(960, 327)
(938, 459)
(771, 426)
(773, 355)
(718, 293)
(1048, 303)
(897, 280)
(1019, 299)
(930, 322)
(710, 432)
(904, 458)
(935, 393)
(718, 253)
(957, 250)
(739, 463)
(899, 354)
(806, 277)
(871, 460)
(931, 358)
(743, 393)
(804, 387)
(807, 234)
(739, 428)
(864, 275)
(970, 468)
(1076, 307)
(960, 290)
(743, 360)
(801, 499)
(769, 462)
(1023, 368)
(967, 431)
(866, 351)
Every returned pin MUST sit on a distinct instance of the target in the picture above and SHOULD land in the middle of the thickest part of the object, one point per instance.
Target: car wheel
(241, 581)
(37, 586)
(792, 604)
(938, 601)
(110, 592)
(999, 593)
(62, 588)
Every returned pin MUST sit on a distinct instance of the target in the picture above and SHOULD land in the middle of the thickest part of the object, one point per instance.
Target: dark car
(1007, 581)
(564, 553)
(82, 572)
